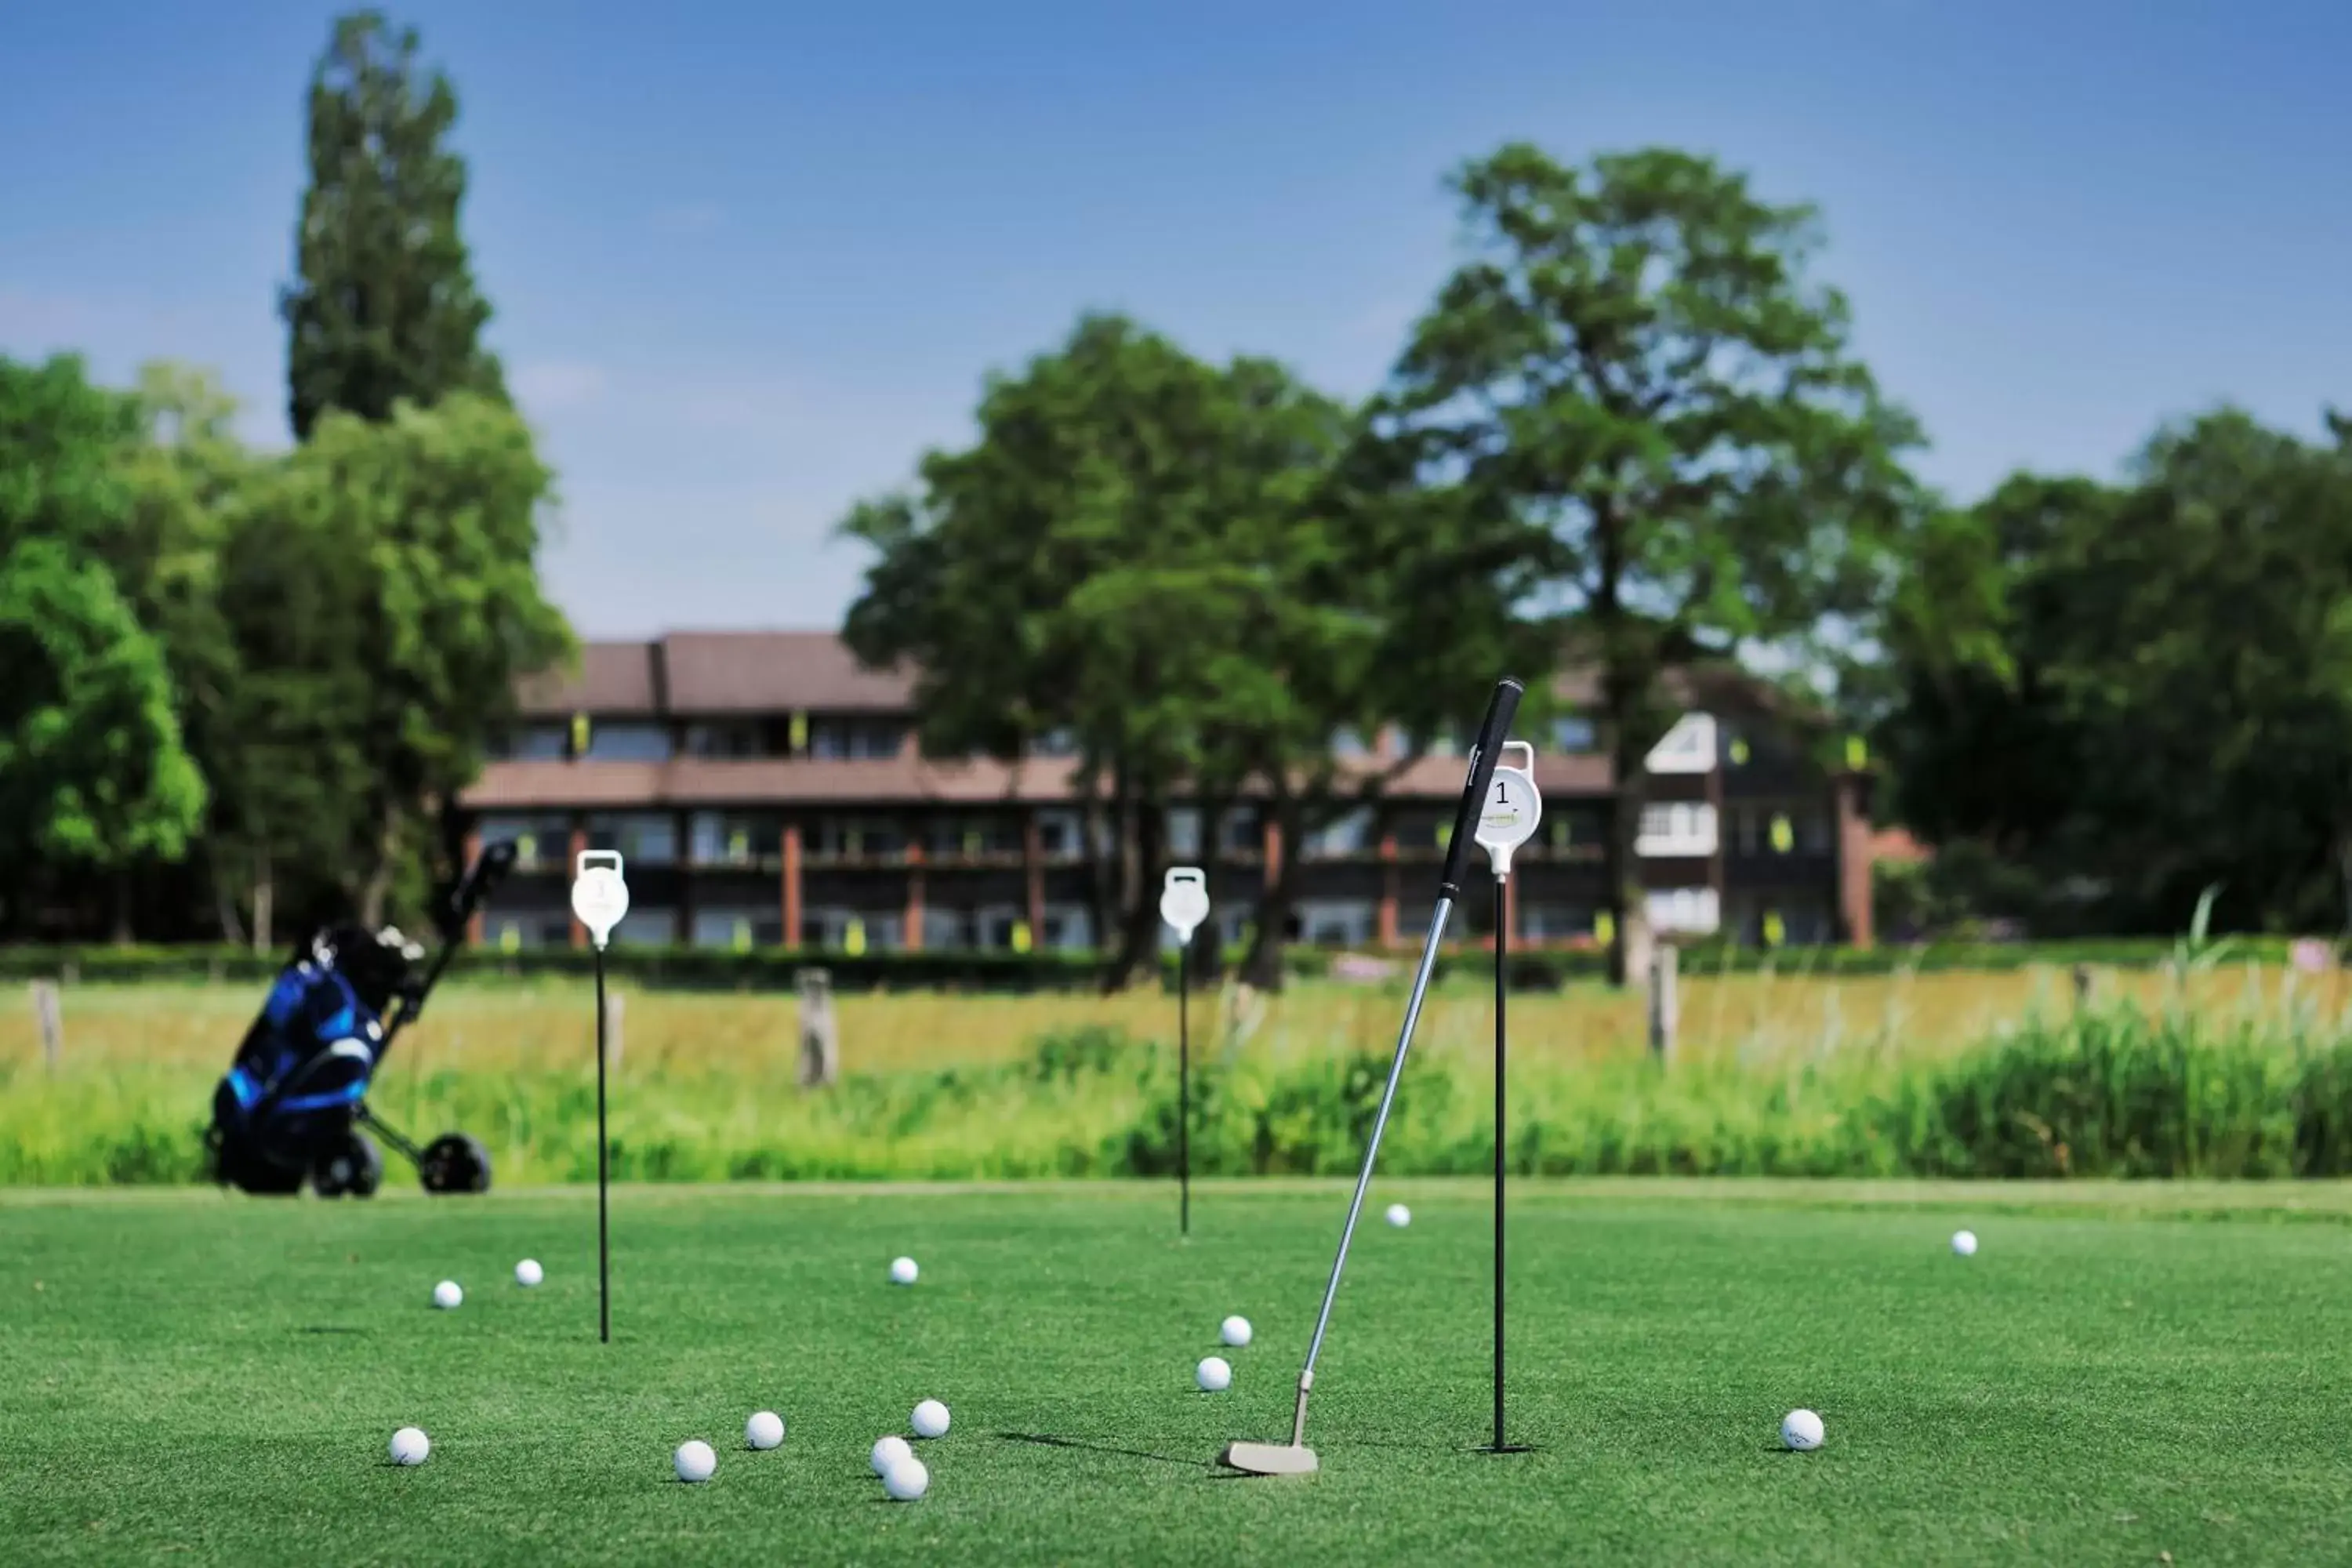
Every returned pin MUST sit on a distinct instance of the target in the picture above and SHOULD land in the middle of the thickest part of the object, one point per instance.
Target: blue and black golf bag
(294, 1102)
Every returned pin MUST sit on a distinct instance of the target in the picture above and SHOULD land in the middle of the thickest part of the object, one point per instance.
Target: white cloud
(549, 385)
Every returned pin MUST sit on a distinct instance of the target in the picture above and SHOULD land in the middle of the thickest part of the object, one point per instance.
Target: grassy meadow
(2231, 1070)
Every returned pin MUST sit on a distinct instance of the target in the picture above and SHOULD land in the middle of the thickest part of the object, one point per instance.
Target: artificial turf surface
(195, 1378)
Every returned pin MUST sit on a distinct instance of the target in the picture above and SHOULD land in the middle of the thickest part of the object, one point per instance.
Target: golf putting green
(2119, 1372)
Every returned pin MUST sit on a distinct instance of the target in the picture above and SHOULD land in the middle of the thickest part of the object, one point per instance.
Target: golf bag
(292, 1105)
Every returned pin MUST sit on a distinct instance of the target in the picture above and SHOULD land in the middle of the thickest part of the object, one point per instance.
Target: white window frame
(1678, 828)
(1687, 748)
(1696, 911)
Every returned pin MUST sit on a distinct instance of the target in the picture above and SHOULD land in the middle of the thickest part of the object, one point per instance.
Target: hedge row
(774, 968)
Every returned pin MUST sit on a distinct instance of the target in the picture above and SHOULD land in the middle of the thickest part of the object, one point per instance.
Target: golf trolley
(293, 1104)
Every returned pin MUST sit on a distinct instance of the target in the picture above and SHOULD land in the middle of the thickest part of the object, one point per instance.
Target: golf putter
(1295, 1457)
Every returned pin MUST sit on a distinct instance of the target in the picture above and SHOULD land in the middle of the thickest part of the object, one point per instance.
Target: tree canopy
(1635, 365)
(383, 307)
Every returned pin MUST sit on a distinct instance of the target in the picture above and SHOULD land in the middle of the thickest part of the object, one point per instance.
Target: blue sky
(750, 260)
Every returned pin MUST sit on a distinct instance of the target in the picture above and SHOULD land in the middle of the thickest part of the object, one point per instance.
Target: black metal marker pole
(1184, 1085)
(1502, 950)
(603, 1174)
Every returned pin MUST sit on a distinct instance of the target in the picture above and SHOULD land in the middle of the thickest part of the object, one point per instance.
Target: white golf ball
(1235, 1330)
(1964, 1242)
(764, 1430)
(528, 1272)
(1801, 1430)
(1213, 1375)
(447, 1295)
(695, 1461)
(889, 1451)
(409, 1445)
(907, 1479)
(902, 1271)
(930, 1419)
(1399, 1215)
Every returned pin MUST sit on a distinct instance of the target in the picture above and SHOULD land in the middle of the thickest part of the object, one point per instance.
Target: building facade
(767, 792)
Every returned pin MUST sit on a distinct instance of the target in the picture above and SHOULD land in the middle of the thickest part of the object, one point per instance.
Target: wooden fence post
(820, 1035)
(51, 1011)
(1666, 1008)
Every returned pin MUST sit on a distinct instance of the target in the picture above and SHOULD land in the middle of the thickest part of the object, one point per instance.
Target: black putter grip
(1501, 708)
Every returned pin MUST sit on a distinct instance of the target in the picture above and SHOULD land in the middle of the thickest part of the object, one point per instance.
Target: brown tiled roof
(686, 673)
(615, 680)
(775, 672)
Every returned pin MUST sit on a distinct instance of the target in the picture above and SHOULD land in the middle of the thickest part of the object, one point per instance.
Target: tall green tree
(384, 307)
(438, 511)
(2144, 689)
(1636, 365)
(1184, 566)
(94, 777)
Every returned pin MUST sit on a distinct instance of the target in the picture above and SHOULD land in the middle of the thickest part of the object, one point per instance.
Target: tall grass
(2220, 1073)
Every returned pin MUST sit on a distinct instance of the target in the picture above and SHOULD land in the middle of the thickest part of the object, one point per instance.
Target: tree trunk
(1263, 967)
(232, 928)
(263, 897)
(120, 935)
(378, 889)
(1141, 861)
(1096, 826)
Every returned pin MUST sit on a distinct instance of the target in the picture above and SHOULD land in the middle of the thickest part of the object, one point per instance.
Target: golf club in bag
(1295, 1457)
(291, 1105)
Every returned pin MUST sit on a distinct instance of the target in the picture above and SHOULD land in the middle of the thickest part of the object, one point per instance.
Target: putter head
(1270, 1459)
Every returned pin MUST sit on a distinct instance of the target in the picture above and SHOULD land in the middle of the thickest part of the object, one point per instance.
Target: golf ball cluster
(904, 1477)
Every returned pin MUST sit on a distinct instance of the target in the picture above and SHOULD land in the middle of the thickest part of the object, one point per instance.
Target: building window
(1554, 922)
(1572, 733)
(642, 838)
(1069, 927)
(1687, 748)
(1692, 910)
(845, 740)
(541, 841)
(739, 930)
(1350, 833)
(628, 743)
(969, 837)
(854, 931)
(858, 838)
(1337, 923)
(1239, 833)
(1184, 832)
(946, 930)
(733, 838)
(726, 737)
(1679, 828)
(646, 928)
(1061, 835)
(532, 743)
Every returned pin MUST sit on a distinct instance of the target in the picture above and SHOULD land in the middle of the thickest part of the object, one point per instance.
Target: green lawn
(2119, 1373)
